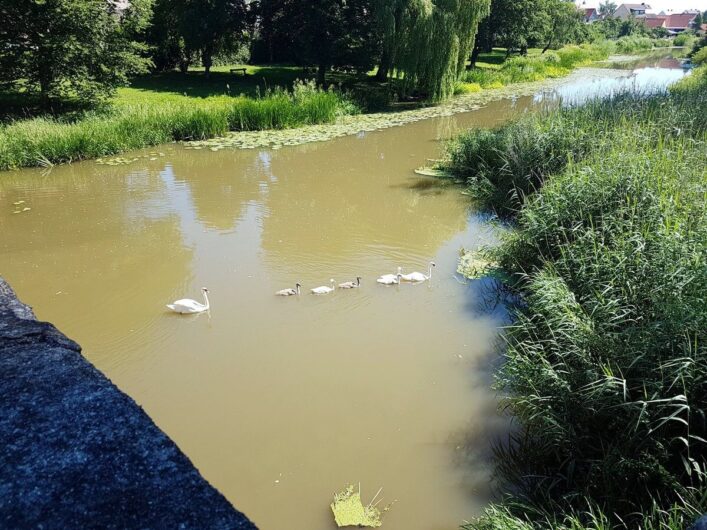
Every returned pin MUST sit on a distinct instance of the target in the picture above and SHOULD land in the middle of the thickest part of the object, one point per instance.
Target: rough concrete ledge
(76, 452)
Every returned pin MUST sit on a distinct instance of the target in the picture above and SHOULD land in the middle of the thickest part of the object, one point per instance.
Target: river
(280, 402)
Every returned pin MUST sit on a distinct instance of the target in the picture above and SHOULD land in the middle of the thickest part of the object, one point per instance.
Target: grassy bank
(492, 73)
(606, 368)
(130, 125)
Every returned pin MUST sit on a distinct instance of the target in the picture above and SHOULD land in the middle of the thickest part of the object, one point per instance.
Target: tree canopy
(520, 24)
(72, 48)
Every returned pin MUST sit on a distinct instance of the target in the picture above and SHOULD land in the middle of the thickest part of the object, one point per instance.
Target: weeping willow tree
(426, 42)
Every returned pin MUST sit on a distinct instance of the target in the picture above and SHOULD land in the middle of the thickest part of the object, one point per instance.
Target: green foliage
(636, 43)
(686, 39)
(125, 127)
(613, 28)
(506, 164)
(536, 68)
(606, 366)
(607, 8)
(183, 30)
(432, 41)
(692, 83)
(515, 516)
(700, 57)
(323, 33)
(80, 49)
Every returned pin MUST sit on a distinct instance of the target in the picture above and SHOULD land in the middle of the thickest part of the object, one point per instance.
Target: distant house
(626, 11)
(675, 24)
(591, 15)
(656, 21)
(679, 23)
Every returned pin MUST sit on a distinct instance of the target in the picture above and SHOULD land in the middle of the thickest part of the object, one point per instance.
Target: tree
(72, 48)
(566, 24)
(607, 9)
(697, 23)
(210, 27)
(427, 42)
(323, 33)
(514, 25)
(165, 38)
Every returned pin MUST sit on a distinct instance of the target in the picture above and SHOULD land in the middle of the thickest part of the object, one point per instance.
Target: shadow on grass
(221, 81)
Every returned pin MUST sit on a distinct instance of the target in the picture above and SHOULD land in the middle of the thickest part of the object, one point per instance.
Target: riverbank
(274, 119)
(77, 452)
(44, 142)
(606, 366)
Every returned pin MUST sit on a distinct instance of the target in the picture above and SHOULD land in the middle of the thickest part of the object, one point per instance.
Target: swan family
(188, 306)
(385, 279)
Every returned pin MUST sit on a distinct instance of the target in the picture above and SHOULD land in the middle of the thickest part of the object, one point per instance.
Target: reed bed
(551, 64)
(605, 370)
(42, 141)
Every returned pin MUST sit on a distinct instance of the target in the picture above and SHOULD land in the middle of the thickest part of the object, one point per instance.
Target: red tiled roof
(655, 21)
(682, 20)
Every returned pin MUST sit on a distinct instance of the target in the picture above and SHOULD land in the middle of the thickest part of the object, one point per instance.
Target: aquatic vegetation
(605, 366)
(349, 510)
(475, 264)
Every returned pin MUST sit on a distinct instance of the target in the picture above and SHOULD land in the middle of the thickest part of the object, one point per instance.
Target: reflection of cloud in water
(644, 81)
(89, 254)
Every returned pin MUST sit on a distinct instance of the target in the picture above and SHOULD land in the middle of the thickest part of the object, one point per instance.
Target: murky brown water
(279, 402)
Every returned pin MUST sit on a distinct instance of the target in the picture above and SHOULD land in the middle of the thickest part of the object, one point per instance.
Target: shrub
(685, 39)
(700, 57)
(466, 88)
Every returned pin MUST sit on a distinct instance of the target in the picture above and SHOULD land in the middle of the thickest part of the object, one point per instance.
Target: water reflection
(280, 402)
(646, 80)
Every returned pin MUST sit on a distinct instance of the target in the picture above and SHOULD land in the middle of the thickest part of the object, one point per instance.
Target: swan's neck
(206, 301)
(429, 276)
(297, 288)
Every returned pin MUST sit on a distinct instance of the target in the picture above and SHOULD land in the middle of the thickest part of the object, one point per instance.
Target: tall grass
(131, 126)
(606, 366)
(535, 68)
(506, 164)
(636, 43)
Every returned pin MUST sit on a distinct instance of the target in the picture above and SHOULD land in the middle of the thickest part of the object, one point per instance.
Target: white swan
(324, 289)
(418, 277)
(351, 285)
(187, 306)
(390, 279)
(289, 292)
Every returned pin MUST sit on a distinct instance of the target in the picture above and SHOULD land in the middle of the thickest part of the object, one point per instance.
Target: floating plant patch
(475, 264)
(116, 161)
(349, 509)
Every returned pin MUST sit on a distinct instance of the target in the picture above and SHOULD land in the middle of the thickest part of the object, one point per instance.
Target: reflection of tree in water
(221, 183)
(342, 199)
(95, 252)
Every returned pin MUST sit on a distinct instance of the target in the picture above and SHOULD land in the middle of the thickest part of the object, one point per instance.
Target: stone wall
(76, 452)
